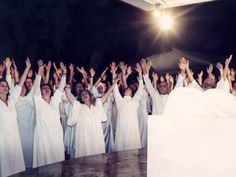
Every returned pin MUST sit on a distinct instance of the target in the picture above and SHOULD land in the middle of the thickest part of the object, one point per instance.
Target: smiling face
(4, 88)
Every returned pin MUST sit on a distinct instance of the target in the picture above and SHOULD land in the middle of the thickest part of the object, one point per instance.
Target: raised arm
(123, 68)
(99, 79)
(63, 79)
(106, 95)
(25, 73)
(38, 78)
(69, 96)
(226, 68)
(16, 72)
(48, 68)
(72, 73)
(189, 72)
(139, 92)
(8, 64)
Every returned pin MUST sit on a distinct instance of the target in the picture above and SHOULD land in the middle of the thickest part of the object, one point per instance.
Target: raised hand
(209, 69)
(48, 66)
(28, 64)
(143, 63)
(71, 68)
(182, 65)
(129, 70)
(123, 67)
(232, 74)
(154, 76)
(219, 66)
(2, 69)
(8, 62)
(167, 77)
(63, 68)
(162, 79)
(148, 65)
(92, 72)
(41, 67)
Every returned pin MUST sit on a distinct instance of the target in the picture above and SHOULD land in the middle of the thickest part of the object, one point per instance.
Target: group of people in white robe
(43, 119)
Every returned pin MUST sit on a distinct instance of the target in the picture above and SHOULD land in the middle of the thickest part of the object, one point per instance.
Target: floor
(131, 163)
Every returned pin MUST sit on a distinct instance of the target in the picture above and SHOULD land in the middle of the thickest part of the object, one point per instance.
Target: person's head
(86, 97)
(128, 91)
(209, 82)
(23, 91)
(102, 87)
(78, 87)
(46, 90)
(29, 83)
(4, 87)
(163, 88)
(134, 86)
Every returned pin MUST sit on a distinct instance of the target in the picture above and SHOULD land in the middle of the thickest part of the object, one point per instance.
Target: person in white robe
(26, 121)
(11, 155)
(87, 115)
(127, 129)
(48, 135)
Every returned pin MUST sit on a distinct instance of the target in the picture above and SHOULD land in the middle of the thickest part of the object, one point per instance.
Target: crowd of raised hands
(121, 71)
(121, 96)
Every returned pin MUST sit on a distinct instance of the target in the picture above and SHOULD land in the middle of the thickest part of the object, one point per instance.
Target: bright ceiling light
(166, 22)
(156, 13)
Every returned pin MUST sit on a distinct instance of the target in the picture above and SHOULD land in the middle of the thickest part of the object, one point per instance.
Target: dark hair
(93, 100)
(49, 85)
(4, 80)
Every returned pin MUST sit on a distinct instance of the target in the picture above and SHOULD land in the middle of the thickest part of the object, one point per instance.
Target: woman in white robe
(48, 135)
(11, 155)
(127, 128)
(26, 121)
(87, 114)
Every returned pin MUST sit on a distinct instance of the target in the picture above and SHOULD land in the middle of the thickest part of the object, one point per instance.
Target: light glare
(166, 22)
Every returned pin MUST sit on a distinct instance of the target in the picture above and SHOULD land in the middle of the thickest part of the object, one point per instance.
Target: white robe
(158, 100)
(48, 134)
(26, 122)
(142, 116)
(127, 128)
(89, 139)
(11, 155)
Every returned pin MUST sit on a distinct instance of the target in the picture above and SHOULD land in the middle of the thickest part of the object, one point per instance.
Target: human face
(23, 91)
(29, 83)
(79, 87)
(163, 88)
(85, 96)
(128, 92)
(4, 88)
(46, 91)
(209, 83)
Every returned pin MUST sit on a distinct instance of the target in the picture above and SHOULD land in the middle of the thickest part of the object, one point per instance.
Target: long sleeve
(180, 81)
(117, 93)
(139, 92)
(15, 93)
(150, 88)
(9, 81)
(62, 83)
(74, 113)
(37, 91)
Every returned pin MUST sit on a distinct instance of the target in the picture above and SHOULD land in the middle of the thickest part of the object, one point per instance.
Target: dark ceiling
(96, 32)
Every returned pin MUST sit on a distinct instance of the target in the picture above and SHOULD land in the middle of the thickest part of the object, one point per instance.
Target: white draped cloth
(48, 135)
(127, 128)
(89, 138)
(11, 155)
(190, 101)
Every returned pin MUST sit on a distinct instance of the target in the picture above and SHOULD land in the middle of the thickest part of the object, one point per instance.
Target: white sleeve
(15, 93)
(37, 82)
(117, 93)
(62, 83)
(9, 81)
(223, 85)
(139, 92)
(195, 85)
(151, 90)
(74, 113)
(56, 98)
(180, 81)
(103, 115)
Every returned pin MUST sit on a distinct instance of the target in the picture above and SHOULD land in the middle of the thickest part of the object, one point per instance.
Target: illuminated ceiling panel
(149, 5)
